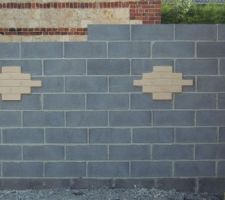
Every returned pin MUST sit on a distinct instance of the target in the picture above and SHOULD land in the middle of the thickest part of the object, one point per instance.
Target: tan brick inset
(162, 82)
(13, 83)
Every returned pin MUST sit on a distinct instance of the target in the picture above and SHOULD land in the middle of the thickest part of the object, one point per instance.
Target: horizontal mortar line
(63, 178)
(162, 143)
(109, 161)
(43, 161)
(120, 76)
(104, 144)
(125, 93)
(84, 75)
(100, 58)
(92, 127)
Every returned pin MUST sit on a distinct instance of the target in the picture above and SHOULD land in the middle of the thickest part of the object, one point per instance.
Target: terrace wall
(88, 126)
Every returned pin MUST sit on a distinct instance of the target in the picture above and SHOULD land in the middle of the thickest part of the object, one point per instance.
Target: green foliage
(189, 13)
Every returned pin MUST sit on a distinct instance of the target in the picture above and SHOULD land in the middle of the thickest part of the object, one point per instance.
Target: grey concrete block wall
(89, 121)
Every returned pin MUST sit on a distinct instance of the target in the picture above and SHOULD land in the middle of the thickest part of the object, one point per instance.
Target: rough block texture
(89, 121)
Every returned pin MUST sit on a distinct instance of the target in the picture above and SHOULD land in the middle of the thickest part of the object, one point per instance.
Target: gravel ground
(102, 194)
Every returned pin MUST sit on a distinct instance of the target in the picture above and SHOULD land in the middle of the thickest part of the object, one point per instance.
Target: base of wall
(208, 185)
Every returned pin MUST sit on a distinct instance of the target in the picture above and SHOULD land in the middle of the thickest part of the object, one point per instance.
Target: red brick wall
(147, 11)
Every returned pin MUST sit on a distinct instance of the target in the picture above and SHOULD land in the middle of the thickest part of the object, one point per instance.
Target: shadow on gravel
(102, 194)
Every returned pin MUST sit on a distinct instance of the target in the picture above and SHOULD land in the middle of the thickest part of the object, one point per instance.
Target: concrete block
(41, 50)
(129, 49)
(86, 152)
(66, 135)
(86, 118)
(108, 32)
(109, 135)
(107, 101)
(172, 152)
(130, 118)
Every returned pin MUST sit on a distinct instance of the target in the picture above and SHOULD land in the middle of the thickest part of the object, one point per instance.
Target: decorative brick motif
(13, 83)
(162, 82)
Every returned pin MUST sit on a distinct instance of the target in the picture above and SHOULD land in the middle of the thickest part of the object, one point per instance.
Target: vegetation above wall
(190, 13)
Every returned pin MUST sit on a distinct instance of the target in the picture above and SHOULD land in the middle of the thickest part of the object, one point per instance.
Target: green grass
(197, 14)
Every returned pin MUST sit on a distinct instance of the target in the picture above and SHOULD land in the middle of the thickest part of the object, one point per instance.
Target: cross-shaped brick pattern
(162, 82)
(13, 83)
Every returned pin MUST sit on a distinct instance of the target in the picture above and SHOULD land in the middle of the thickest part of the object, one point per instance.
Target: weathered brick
(195, 135)
(210, 118)
(85, 49)
(222, 66)
(108, 169)
(109, 135)
(194, 168)
(212, 185)
(41, 50)
(211, 84)
(43, 118)
(23, 135)
(66, 135)
(197, 66)
(22, 169)
(179, 184)
(28, 102)
(130, 118)
(173, 49)
(151, 169)
(221, 101)
(108, 32)
(9, 50)
(86, 152)
(86, 118)
(221, 167)
(123, 84)
(43, 152)
(65, 169)
(173, 118)
(108, 67)
(140, 66)
(10, 152)
(195, 101)
(86, 84)
(222, 134)
(64, 101)
(129, 49)
(209, 151)
(153, 135)
(152, 32)
(50, 85)
(210, 49)
(221, 31)
(129, 152)
(65, 67)
(132, 182)
(10, 119)
(191, 88)
(172, 152)
(33, 67)
(195, 32)
(107, 101)
(145, 101)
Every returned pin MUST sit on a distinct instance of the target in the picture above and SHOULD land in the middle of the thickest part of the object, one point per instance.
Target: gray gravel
(102, 194)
